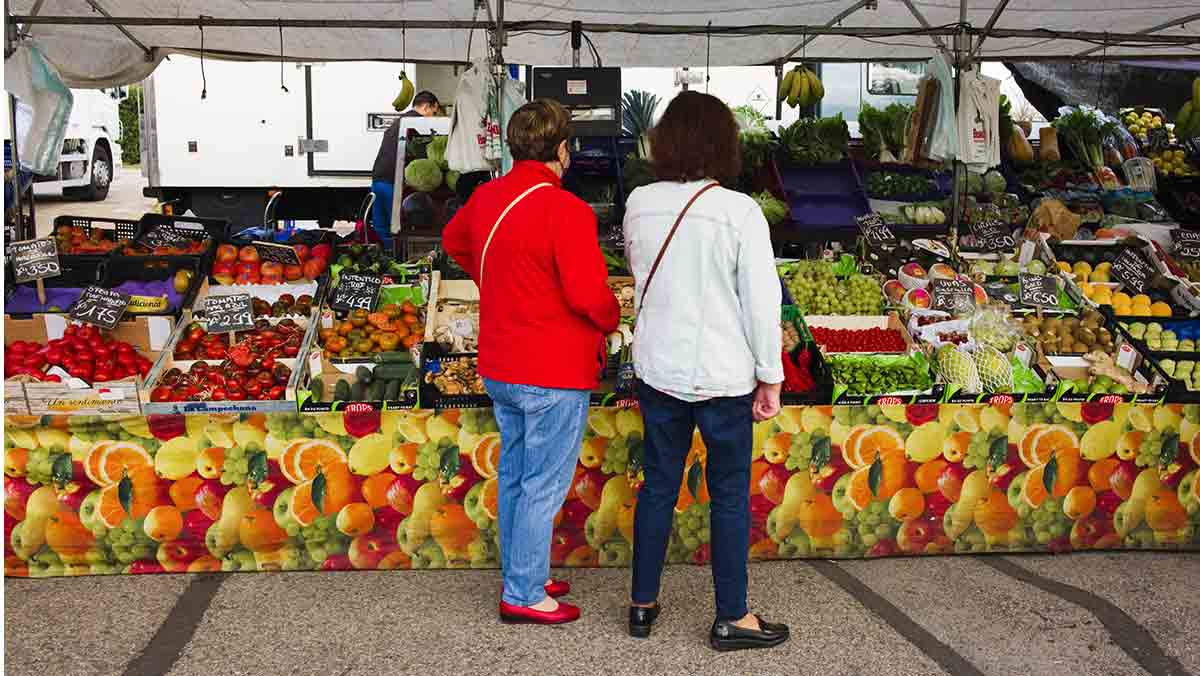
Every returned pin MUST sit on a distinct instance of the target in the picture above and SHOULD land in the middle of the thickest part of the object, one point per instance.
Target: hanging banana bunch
(405, 96)
(801, 88)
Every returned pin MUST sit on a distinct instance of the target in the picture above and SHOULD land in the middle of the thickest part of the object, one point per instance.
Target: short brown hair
(536, 129)
(696, 138)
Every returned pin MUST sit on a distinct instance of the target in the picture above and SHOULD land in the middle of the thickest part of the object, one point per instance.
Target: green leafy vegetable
(880, 374)
(774, 210)
(816, 140)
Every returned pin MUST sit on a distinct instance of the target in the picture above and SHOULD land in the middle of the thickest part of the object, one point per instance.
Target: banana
(785, 86)
(817, 87)
(793, 98)
(405, 96)
(803, 91)
(1183, 121)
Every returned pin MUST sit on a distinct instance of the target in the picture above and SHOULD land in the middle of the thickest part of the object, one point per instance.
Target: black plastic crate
(123, 228)
(193, 227)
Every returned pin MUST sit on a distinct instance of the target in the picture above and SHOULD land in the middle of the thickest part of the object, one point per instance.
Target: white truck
(91, 154)
(224, 155)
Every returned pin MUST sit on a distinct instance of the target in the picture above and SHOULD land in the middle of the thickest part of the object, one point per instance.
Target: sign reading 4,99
(100, 306)
(356, 292)
(34, 259)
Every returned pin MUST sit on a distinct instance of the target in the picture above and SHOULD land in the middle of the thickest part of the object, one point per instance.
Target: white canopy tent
(109, 42)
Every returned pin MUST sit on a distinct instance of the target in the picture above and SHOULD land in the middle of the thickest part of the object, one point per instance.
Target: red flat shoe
(557, 588)
(510, 614)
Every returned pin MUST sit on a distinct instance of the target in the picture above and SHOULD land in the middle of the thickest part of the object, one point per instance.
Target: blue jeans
(727, 428)
(381, 210)
(541, 430)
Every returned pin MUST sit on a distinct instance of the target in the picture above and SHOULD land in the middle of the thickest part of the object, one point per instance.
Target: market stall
(986, 361)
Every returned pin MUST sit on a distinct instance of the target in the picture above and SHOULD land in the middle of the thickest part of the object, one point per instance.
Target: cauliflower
(423, 175)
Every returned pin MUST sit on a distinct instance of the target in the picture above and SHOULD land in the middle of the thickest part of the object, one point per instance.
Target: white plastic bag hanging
(978, 121)
(472, 129)
(943, 145)
(31, 78)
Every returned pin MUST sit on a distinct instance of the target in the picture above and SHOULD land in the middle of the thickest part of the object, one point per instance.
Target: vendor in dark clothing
(383, 176)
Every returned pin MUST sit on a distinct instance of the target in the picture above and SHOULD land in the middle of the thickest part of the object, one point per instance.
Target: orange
(259, 532)
(15, 461)
(287, 459)
(818, 517)
(374, 488)
(317, 455)
(860, 489)
(485, 457)
(1045, 443)
(851, 443)
(397, 560)
(1163, 512)
(1025, 446)
(872, 442)
(339, 488)
(66, 535)
(927, 475)
(301, 506)
(258, 420)
(685, 494)
(356, 519)
(907, 503)
(403, 458)
(145, 497)
(163, 523)
(120, 458)
(205, 564)
(1100, 474)
(91, 462)
(453, 530)
(489, 499)
(994, 515)
(183, 492)
(1079, 503)
(1034, 492)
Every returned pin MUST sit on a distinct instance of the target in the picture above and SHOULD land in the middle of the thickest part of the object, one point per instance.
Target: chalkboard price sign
(277, 253)
(1158, 139)
(1039, 290)
(229, 313)
(100, 307)
(875, 231)
(992, 235)
(166, 235)
(1187, 243)
(355, 292)
(34, 259)
(1132, 270)
(952, 295)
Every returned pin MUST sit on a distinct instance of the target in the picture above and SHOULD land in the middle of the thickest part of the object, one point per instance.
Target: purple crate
(828, 211)
(819, 179)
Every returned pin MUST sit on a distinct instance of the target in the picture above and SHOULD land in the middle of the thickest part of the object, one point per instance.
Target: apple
(302, 252)
(338, 562)
(195, 525)
(575, 514)
(588, 487)
(1175, 472)
(143, 567)
(914, 534)
(293, 272)
(314, 267)
(322, 251)
(1107, 504)
(16, 495)
(936, 505)
(883, 548)
(248, 254)
(366, 551)
(460, 484)
(760, 509)
(562, 543)
(387, 519)
(951, 479)
(1123, 477)
(1087, 531)
(227, 253)
(401, 492)
(175, 557)
(828, 476)
(1002, 477)
(209, 497)
(773, 481)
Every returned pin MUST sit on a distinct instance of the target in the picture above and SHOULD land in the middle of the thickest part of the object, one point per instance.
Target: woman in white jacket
(707, 352)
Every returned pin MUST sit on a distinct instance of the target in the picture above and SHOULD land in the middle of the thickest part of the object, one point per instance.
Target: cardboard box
(624, 289)
(450, 321)
(166, 361)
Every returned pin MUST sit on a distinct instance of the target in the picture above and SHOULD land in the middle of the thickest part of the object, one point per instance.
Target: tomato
(276, 392)
(215, 351)
(313, 268)
(241, 355)
(265, 379)
(81, 371)
(34, 361)
(268, 362)
(101, 376)
(302, 252)
(235, 394)
(218, 394)
(51, 378)
(102, 351)
(70, 330)
(253, 389)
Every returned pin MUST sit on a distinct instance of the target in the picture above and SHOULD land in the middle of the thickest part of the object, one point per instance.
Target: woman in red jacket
(545, 309)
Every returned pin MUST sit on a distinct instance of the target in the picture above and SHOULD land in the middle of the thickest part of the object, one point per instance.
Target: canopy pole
(778, 84)
(870, 4)
(937, 39)
(1153, 29)
(149, 54)
(962, 55)
(987, 29)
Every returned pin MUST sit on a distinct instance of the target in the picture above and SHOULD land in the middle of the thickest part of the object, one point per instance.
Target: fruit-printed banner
(371, 490)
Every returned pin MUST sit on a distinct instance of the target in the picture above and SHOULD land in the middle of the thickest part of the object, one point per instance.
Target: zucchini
(358, 391)
(341, 391)
(397, 357)
(363, 375)
(393, 371)
(317, 388)
(377, 390)
(393, 390)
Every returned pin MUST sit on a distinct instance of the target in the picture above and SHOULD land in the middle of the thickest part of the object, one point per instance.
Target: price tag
(166, 235)
(992, 235)
(952, 295)
(1039, 290)
(1131, 270)
(1158, 139)
(34, 259)
(875, 231)
(229, 313)
(277, 253)
(100, 307)
(1187, 243)
(356, 292)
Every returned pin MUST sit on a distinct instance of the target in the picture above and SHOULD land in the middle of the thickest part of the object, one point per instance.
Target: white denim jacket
(710, 324)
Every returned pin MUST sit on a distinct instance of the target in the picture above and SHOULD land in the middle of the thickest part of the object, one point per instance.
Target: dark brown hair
(696, 138)
(536, 129)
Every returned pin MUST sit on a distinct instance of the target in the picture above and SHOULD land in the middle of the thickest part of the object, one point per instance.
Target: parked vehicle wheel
(102, 175)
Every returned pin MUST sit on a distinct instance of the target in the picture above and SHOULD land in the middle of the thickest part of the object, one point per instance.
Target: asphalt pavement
(124, 200)
(1103, 614)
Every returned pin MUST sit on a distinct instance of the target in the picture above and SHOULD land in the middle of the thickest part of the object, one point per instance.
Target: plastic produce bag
(943, 144)
(31, 78)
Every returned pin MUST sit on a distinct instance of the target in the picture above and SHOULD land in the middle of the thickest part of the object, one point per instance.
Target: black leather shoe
(642, 619)
(726, 636)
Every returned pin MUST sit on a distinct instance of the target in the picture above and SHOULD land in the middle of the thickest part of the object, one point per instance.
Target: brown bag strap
(663, 250)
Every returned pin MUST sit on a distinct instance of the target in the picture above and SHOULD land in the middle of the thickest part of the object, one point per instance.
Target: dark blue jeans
(726, 425)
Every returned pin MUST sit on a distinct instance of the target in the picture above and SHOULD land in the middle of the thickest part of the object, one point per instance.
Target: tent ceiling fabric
(93, 55)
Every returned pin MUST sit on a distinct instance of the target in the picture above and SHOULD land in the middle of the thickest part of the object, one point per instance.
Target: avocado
(341, 391)
(378, 390)
(317, 388)
(363, 375)
(358, 391)
(392, 392)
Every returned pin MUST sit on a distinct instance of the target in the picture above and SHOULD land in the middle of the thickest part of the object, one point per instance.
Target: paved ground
(1095, 614)
(124, 201)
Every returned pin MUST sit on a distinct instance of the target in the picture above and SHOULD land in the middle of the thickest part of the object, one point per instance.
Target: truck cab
(91, 154)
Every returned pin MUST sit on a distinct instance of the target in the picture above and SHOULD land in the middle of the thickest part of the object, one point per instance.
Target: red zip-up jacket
(545, 306)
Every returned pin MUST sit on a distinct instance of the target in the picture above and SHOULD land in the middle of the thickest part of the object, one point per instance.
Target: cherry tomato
(253, 389)
(218, 394)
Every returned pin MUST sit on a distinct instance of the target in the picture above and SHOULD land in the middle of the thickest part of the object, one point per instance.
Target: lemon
(992, 419)
(837, 433)
(138, 427)
(1072, 412)
(1165, 419)
(1139, 420)
(967, 419)
(925, 442)
(275, 446)
(220, 434)
(332, 422)
(602, 421)
(245, 434)
(78, 448)
(1064, 266)
(1121, 298)
(176, 458)
(1160, 309)
(788, 421)
(49, 436)
(439, 427)
(629, 421)
(1100, 441)
(412, 429)
(369, 455)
